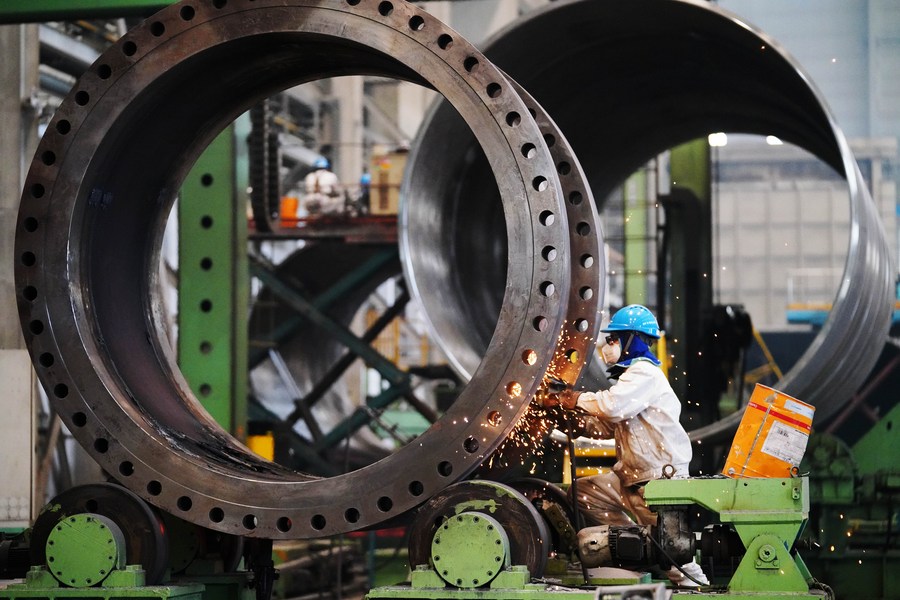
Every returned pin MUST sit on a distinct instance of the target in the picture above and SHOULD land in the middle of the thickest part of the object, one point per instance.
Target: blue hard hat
(634, 317)
(321, 163)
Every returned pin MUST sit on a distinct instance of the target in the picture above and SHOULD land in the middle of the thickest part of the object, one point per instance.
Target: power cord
(675, 564)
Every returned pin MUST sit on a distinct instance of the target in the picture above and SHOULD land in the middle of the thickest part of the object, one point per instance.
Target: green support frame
(768, 515)
(214, 283)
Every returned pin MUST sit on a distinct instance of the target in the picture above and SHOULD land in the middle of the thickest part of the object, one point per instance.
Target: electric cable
(675, 564)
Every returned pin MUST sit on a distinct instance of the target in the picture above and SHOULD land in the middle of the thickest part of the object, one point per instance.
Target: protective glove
(555, 385)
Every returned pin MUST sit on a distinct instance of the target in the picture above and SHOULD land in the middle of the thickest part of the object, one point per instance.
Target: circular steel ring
(628, 80)
(461, 309)
(90, 224)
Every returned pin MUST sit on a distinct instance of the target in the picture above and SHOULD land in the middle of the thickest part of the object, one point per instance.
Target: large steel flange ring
(90, 227)
(627, 80)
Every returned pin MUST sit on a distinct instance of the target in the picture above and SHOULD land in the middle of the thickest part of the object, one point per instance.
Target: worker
(323, 191)
(641, 411)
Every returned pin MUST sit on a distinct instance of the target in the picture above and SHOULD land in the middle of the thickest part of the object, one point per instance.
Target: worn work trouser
(603, 500)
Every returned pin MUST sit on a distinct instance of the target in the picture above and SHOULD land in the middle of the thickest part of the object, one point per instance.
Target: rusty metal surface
(90, 228)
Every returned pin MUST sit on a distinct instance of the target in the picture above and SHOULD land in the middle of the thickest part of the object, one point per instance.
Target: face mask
(611, 353)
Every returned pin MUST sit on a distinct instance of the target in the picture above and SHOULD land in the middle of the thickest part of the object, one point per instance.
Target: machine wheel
(529, 536)
(145, 541)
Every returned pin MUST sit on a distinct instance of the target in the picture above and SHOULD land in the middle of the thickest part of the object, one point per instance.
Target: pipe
(625, 81)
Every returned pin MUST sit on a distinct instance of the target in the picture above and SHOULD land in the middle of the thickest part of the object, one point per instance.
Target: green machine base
(513, 583)
(125, 583)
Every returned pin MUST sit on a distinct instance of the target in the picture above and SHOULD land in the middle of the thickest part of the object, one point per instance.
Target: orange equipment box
(772, 436)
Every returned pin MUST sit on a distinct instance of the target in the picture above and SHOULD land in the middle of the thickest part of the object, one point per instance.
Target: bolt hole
(416, 488)
(79, 419)
(471, 445)
(385, 9)
(540, 183)
(154, 488)
(82, 98)
(318, 522)
(48, 158)
(351, 515)
(529, 357)
(385, 504)
(184, 503)
(540, 323)
(216, 515)
(445, 469)
(129, 48)
(547, 218)
(126, 468)
(37, 191)
(513, 119)
(60, 390)
(494, 90)
(470, 63)
(30, 293)
(250, 522)
(63, 126)
(187, 13)
(101, 445)
(445, 41)
(104, 71)
(417, 23)
(284, 524)
(157, 28)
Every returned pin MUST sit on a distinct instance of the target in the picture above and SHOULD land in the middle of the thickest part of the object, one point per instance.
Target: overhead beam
(35, 11)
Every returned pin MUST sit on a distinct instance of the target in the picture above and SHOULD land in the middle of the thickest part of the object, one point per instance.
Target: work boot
(693, 569)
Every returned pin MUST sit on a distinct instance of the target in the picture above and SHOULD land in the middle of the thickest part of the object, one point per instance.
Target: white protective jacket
(643, 413)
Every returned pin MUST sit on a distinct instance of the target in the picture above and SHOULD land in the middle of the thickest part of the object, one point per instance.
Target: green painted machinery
(476, 549)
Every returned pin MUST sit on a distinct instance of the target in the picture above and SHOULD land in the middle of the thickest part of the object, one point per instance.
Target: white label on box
(800, 409)
(785, 443)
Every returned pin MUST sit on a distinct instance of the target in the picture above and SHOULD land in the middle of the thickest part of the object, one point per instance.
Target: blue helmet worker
(641, 412)
(324, 194)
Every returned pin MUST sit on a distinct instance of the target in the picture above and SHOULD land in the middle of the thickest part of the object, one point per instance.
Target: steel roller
(625, 81)
(90, 226)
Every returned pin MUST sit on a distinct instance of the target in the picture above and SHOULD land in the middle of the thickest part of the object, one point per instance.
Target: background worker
(323, 190)
(641, 411)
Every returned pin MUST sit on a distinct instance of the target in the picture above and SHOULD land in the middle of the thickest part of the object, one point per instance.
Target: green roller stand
(469, 550)
(40, 584)
(83, 549)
